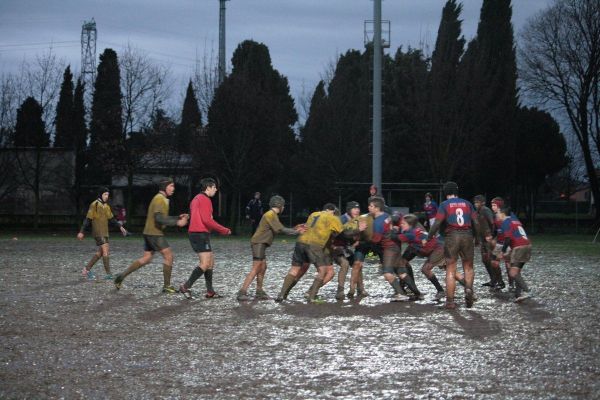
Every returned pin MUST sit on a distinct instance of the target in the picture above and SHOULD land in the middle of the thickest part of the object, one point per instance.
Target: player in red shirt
(201, 225)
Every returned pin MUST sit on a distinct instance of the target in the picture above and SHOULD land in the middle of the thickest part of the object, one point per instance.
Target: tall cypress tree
(30, 130)
(191, 121)
(444, 135)
(250, 123)
(64, 108)
(107, 141)
(488, 84)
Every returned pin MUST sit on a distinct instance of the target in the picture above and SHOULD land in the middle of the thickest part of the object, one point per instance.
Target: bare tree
(560, 67)
(206, 79)
(41, 80)
(144, 85)
(8, 107)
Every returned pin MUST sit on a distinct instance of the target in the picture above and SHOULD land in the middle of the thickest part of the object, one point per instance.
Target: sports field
(65, 337)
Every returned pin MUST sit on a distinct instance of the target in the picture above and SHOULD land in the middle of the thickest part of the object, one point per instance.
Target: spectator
(254, 211)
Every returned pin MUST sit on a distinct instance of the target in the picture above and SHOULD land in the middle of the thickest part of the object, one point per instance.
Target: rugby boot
(261, 295)
(169, 290)
(211, 294)
(523, 296)
(185, 291)
(339, 295)
(242, 296)
(440, 295)
(469, 298)
(450, 305)
(118, 281)
(400, 297)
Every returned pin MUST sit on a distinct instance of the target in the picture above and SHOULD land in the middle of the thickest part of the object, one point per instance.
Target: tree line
(455, 115)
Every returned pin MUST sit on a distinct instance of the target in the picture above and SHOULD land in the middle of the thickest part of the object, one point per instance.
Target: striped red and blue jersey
(457, 213)
(514, 232)
(382, 231)
(414, 238)
(430, 209)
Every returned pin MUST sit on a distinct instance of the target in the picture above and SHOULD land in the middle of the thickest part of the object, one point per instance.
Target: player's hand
(80, 236)
(186, 216)
(124, 231)
(424, 242)
(182, 222)
(362, 225)
(228, 232)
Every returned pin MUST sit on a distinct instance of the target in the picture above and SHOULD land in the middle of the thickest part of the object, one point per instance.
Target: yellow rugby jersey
(321, 225)
(100, 213)
(268, 226)
(159, 204)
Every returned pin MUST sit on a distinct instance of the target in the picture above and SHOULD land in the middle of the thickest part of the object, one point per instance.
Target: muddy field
(64, 337)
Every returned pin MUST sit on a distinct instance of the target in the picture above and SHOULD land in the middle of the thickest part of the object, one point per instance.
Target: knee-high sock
(288, 283)
(208, 275)
(93, 261)
(411, 284)
(520, 284)
(134, 266)
(436, 283)
(314, 289)
(196, 273)
(396, 285)
(106, 262)
(167, 275)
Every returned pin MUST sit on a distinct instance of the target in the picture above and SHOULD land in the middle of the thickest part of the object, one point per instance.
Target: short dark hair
(451, 188)
(377, 202)
(205, 183)
(479, 198)
(162, 185)
(411, 219)
(329, 207)
(505, 209)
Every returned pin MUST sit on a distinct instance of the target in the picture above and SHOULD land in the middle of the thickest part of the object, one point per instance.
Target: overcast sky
(303, 36)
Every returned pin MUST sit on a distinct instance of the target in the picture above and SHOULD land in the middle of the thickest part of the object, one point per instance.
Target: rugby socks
(411, 284)
(520, 285)
(208, 274)
(396, 285)
(196, 273)
(410, 271)
(106, 262)
(93, 261)
(314, 289)
(288, 283)
(167, 275)
(134, 266)
(436, 283)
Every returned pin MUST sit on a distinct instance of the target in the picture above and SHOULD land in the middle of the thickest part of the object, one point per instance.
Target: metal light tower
(88, 54)
(222, 64)
(378, 43)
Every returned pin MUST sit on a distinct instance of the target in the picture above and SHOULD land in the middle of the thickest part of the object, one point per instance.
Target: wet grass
(570, 244)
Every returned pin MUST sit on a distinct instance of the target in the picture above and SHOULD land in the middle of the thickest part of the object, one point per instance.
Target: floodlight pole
(377, 94)
(222, 66)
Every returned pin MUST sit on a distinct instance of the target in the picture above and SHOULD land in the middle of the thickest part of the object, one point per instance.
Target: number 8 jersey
(458, 214)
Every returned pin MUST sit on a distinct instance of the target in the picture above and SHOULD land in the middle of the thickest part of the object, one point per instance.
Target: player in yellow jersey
(268, 226)
(310, 249)
(157, 220)
(99, 215)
